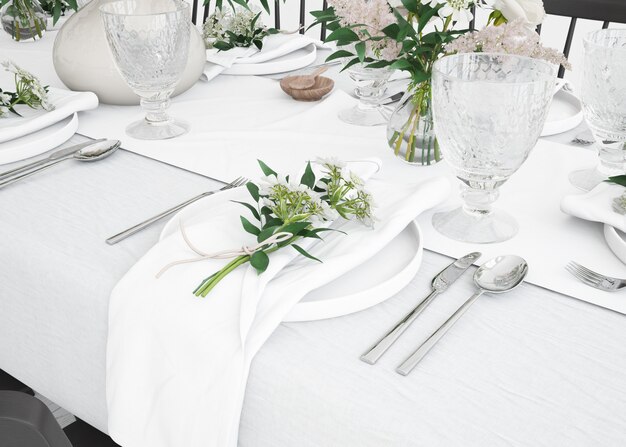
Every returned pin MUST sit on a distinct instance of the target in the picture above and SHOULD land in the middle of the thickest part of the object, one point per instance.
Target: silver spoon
(498, 275)
(95, 151)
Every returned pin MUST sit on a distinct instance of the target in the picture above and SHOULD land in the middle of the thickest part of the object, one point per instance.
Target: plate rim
(317, 310)
(563, 125)
(612, 237)
(40, 146)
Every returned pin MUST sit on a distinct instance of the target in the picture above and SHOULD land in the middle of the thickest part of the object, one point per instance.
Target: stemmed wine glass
(603, 95)
(371, 84)
(488, 111)
(149, 40)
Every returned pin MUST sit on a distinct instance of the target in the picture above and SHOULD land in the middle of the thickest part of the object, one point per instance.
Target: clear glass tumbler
(149, 40)
(371, 84)
(603, 95)
(488, 112)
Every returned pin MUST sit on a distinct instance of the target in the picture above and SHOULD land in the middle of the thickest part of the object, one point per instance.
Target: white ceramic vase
(83, 60)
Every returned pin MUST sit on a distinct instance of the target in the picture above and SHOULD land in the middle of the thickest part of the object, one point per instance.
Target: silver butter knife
(440, 283)
(53, 156)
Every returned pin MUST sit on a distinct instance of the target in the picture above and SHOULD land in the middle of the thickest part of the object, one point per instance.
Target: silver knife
(53, 156)
(440, 283)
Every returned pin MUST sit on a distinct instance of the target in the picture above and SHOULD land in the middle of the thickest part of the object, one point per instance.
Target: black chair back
(605, 11)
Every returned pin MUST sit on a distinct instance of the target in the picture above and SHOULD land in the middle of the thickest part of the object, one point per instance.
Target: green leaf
(401, 64)
(338, 54)
(259, 260)
(391, 30)
(425, 18)
(303, 252)
(266, 6)
(252, 209)
(295, 227)
(266, 169)
(378, 64)
(344, 35)
(618, 180)
(273, 222)
(308, 178)
(360, 51)
(351, 63)
(411, 5)
(243, 3)
(249, 227)
(266, 232)
(253, 190)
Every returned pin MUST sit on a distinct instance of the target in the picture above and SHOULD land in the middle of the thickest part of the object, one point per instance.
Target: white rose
(530, 11)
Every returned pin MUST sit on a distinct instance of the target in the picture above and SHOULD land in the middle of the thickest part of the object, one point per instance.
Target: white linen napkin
(66, 103)
(177, 365)
(597, 205)
(274, 46)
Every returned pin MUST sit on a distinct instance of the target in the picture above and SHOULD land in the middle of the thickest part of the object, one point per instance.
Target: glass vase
(410, 131)
(23, 19)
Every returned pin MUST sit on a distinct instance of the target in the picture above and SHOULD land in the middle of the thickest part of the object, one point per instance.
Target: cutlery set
(498, 275)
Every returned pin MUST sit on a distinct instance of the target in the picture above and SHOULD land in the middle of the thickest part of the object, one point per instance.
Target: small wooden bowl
(322, 87)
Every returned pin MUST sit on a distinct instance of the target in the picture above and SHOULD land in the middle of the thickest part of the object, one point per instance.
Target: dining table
(530, 368)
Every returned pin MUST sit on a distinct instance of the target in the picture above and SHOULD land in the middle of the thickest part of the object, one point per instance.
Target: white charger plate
(291, 61)
(38, 142)
(616, 240)
(565, 114)
(368, 284)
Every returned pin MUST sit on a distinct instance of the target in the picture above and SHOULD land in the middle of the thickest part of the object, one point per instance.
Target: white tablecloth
(530, 368)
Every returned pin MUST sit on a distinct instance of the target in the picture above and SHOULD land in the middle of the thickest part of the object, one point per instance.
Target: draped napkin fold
(177, 365)
(274, 46)
(597, 205)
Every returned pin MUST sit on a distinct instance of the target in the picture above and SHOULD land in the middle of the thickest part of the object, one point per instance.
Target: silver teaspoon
(498, 275)
(95, 151)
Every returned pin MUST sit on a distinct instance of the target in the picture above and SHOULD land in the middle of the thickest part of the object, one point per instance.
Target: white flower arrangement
(28, 91)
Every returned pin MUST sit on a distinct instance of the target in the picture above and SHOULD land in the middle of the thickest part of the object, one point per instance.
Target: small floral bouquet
(285, 211)
(28, 91)
(241, 27)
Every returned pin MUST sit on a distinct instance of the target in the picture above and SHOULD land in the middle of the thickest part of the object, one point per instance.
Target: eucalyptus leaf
(249, 227)
(617, 179)
(252, 209)
(266, 169)
(253, 190)
(303, 252)
(308, 178)
(259, 260)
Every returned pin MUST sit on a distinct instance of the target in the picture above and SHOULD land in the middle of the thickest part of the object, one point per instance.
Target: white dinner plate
(38, 142)
(616, 240)
(565, 114)
(291, 61)
(368, 284)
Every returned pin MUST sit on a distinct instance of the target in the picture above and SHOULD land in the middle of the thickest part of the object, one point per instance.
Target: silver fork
(593, 279)
(146, 223)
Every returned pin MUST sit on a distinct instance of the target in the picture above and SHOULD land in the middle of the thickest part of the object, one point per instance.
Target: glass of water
(488, 111)
(603, 95)
(149, 40)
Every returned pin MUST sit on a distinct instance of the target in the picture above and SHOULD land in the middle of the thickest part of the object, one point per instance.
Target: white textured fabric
(274, 47)
(157, 358)
(596, 205)
(530, 368)
(66, 104)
